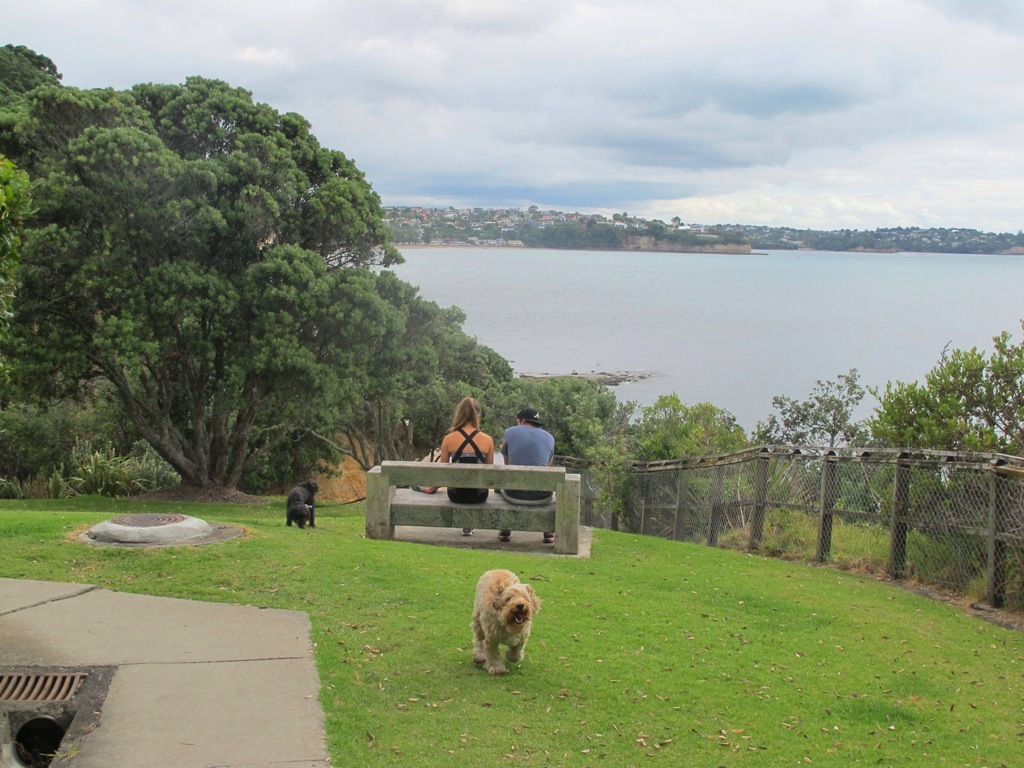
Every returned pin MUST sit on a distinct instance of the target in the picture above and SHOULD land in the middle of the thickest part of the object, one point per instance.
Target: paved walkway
(195, 685)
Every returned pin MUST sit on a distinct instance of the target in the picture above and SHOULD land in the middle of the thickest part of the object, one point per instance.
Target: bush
(102, 472)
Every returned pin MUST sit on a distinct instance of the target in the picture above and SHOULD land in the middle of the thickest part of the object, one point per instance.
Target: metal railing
(950, 520)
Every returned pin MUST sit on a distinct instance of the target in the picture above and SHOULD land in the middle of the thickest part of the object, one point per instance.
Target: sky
(820, 114)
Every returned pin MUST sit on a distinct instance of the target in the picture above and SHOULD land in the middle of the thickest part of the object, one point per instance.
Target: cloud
(267, 57)
(804, 112)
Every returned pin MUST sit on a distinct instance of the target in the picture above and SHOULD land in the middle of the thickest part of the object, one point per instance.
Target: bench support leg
(378, 507)
(567, 517)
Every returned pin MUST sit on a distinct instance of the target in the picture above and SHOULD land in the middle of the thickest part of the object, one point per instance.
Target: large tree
(205, 255)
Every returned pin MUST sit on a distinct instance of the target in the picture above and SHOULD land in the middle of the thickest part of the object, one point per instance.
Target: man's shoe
(549, 538)
(467, 531)
(504, 535)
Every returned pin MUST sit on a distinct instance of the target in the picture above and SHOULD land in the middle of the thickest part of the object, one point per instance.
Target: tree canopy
(968, 401)
(22, 69)
(669, 429)
(14, 210)
(203, 254)
(825, 418)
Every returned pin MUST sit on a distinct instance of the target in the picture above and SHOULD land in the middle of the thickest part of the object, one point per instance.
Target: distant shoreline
(723, 250)
(608, 378)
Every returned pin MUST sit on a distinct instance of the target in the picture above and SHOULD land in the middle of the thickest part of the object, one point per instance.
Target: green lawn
(650, 653)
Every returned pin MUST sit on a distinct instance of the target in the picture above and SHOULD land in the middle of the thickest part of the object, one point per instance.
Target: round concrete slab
(157, 530)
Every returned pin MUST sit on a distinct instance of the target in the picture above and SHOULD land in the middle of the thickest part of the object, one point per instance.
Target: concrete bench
(388, 503)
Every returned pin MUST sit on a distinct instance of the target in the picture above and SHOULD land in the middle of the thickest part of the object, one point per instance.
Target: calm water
(732, 330)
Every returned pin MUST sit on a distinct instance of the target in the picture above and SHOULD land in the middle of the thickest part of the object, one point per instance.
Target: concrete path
(194, 685)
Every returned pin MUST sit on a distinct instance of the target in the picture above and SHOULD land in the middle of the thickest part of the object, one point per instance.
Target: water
(733, 330)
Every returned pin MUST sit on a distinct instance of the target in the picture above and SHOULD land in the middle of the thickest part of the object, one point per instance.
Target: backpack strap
(481, 459)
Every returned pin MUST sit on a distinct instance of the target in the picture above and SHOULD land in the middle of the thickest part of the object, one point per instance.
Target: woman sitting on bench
(466, 444)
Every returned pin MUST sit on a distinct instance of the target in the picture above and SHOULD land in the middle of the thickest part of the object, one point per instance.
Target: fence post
(900, 508)
(643, 502)
(997, 513)
(681, 490)
(760, 500)
(826, 504)
(717, 507)
(587, 495)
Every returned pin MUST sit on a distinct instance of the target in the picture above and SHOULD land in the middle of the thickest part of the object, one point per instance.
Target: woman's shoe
(549, 538)
(504, 535)
(467, 531)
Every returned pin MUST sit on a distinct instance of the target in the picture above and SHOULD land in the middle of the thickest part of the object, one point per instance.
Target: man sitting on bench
(528, 444)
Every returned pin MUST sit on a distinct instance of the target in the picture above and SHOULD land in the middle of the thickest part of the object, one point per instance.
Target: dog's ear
(498, 599)
(534, 600)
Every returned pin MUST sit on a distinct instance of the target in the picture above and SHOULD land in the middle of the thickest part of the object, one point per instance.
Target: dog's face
(311, 486)
(516, 606)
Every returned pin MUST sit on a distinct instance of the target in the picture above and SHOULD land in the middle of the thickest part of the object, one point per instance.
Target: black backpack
(462, 456)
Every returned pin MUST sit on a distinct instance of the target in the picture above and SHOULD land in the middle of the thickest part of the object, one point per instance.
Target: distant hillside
(510, 227)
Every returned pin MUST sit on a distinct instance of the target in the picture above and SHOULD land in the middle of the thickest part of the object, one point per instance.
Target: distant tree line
(553, 229)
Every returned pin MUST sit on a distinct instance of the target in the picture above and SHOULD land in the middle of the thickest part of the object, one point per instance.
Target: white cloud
(802, 112)
(265, 57)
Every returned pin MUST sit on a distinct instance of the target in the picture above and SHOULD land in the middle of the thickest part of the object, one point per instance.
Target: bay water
(733, 330)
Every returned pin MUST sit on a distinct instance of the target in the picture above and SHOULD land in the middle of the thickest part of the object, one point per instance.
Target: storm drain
(44, 713)
(40, 687)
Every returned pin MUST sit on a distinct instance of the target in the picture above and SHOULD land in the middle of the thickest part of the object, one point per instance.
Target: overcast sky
(807, 113)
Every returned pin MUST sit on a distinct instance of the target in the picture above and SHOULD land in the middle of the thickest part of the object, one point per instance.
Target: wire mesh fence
(950, 520)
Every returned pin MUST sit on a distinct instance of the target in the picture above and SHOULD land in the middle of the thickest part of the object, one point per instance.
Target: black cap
(530, 415)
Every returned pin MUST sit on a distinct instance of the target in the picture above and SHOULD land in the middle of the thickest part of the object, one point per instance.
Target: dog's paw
(498, 669)
(479, 658)
(514, 654)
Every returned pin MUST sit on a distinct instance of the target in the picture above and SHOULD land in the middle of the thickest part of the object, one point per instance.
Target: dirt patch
(970, 606)
(211, 494)
(349, 486)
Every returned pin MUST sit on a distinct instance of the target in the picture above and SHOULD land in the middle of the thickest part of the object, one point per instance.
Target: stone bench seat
(390, 500)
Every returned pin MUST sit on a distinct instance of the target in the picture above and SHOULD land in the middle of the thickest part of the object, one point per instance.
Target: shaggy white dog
(502, 615)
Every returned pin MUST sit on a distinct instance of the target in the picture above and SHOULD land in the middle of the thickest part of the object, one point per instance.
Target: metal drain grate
(58, 686)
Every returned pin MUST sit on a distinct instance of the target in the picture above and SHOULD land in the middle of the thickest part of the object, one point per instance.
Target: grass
(649, 653)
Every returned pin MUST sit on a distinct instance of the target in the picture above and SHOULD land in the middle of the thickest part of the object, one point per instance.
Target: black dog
(302, 504)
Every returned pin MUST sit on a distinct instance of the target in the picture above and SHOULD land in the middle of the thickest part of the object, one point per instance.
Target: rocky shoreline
(608, 378)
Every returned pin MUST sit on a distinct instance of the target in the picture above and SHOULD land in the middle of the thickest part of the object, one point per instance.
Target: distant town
(537, 228)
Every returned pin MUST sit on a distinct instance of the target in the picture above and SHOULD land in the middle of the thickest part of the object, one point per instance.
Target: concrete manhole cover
(157, 530)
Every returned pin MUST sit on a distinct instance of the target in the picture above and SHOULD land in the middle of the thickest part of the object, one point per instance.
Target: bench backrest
(472, 475)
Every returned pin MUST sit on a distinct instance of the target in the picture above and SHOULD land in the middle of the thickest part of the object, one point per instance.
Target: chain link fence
(949, 520)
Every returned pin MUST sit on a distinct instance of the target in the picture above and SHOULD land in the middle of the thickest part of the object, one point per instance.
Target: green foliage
(14, 211)
(36, 440)
(196, 250)
(102, 472)
(671, 430)
(969, 401)
(825, 418)
(22, 69)
(582, 415)
(423, 365)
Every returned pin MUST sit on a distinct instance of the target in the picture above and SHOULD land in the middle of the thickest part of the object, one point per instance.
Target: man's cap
(530, 415)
